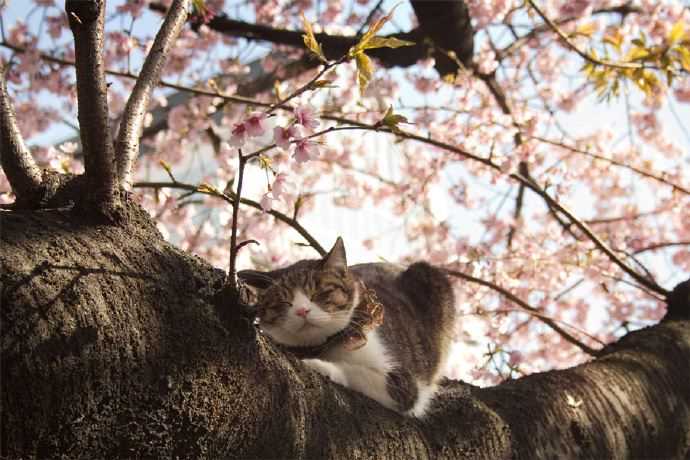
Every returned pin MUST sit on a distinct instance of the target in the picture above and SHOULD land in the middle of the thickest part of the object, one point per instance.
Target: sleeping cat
(375, 328)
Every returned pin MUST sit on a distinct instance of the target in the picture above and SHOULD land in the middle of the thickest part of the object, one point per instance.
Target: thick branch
(449, 26)
(132, 123)
(446, 24)
(19, 166)
(86, 18)
(334, 46)
(109, 385)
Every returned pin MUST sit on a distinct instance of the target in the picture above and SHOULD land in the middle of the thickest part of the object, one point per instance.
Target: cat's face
(307, 306)
(308, 302)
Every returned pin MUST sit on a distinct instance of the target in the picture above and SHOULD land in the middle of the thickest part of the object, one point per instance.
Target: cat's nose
(303, 312)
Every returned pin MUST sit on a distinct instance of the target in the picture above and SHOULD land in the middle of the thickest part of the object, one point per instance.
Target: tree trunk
(112, 346)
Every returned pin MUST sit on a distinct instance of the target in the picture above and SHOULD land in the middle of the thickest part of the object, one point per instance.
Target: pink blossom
(177, 119)
(305, 150)
(576, 8)
(254, 124)
(305, 116)
(282, 136)
(239, 135)
(132, 7)
(279, 186)
(266, 202)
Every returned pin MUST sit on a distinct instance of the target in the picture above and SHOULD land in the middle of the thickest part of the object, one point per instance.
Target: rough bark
(112, 347)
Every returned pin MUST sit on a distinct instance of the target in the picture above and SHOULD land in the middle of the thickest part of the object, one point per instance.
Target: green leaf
(391, 119)
(386, 42)
(365, 70)
(310, 40)
(208, 189)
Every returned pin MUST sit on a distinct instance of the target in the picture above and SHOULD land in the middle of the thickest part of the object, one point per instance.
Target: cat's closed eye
(323, 295)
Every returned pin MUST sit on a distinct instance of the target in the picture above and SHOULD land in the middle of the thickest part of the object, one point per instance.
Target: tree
(116, 343)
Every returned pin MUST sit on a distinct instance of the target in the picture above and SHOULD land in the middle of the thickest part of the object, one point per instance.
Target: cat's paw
(330, 370)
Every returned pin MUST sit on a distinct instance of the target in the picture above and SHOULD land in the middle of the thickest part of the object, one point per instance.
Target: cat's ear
(336, 259)
(256, 279)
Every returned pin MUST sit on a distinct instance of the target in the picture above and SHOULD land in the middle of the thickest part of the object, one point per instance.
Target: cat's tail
(430, 290)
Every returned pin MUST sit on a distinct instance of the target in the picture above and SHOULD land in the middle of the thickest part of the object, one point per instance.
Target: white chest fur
(364, 370)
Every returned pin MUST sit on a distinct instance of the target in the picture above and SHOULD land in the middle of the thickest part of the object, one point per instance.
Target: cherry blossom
(305, 116)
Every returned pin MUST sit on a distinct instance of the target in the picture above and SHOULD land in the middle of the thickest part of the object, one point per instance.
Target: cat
(376, 328)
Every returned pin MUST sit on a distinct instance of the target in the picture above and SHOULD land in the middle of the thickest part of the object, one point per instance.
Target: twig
(525, 306)
(656, 246)
(132, 123)
(639, 171)
(230, 199)
(232, 272)
(583, 54)
(86, 19)
(370, 16)
(624, 10)
(16, 159)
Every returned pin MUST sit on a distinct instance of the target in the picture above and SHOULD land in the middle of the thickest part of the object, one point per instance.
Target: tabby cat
(375, 328)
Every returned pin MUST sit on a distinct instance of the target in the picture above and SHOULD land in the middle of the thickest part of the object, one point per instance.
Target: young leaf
(391, 119)
(369, 34)
(365, 70)
(310, 40)
(677, 31)
(386, 42)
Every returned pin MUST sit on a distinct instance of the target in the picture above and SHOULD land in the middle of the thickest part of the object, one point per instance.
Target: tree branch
(232, 271)
(584, 55)
(16, 159)
(639, 171)
(441, 145)
(657, 246)
(86, 19)
(334, 46)
(531, 310)
(651, 285)
(230, 198)
(132, 123)
(624, 10)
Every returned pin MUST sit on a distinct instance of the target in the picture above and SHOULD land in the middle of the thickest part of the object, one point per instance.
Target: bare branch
(529, 309)
(132, 123)
(86, 19)
(16, 160)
